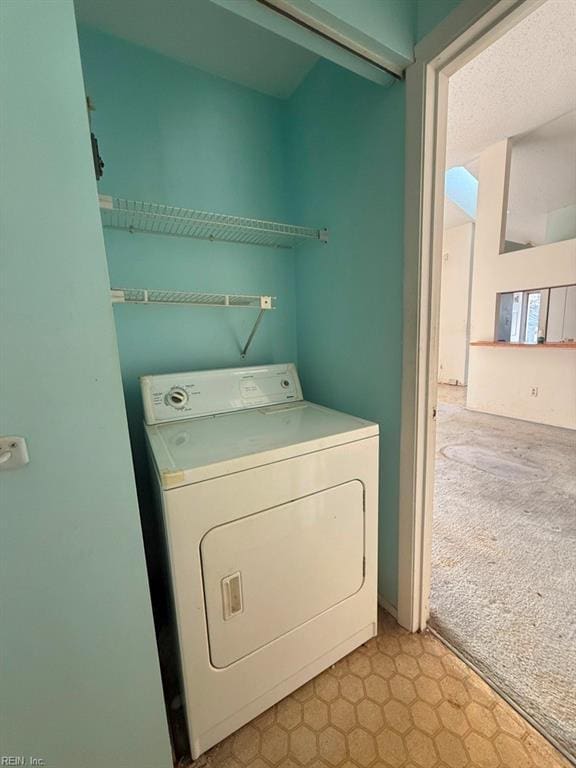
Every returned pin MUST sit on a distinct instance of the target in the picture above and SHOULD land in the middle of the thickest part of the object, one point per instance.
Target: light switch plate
(13, 452)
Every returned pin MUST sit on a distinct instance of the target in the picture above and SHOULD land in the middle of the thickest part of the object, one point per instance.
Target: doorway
(441, 434)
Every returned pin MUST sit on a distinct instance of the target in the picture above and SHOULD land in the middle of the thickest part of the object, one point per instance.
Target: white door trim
(471, 27)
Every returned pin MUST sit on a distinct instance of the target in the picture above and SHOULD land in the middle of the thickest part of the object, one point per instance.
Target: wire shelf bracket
(158, 219)
(145, 297)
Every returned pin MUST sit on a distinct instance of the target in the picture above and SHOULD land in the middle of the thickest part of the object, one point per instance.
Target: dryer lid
(199, 449)
(179, 396)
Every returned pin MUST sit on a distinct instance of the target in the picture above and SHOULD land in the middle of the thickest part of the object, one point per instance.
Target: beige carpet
(504, 556)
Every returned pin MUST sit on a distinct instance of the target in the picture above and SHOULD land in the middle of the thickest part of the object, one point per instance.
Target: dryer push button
(232, 595)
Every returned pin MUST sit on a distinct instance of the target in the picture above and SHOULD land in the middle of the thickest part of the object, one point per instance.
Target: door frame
(469, 29)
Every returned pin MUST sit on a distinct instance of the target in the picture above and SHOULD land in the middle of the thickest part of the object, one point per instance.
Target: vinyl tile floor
(398, 701)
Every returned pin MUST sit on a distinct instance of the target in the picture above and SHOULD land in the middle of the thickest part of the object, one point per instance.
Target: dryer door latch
(232, 595)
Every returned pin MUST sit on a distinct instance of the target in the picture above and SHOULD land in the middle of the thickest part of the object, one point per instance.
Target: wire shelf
(159, 219)
(145, 296)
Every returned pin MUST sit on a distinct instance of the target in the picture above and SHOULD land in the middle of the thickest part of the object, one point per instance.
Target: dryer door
(267, 574)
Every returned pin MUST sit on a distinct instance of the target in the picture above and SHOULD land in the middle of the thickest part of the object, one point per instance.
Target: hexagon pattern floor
(400, 700)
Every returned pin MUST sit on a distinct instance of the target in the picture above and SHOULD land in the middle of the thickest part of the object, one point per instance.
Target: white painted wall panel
(562, 314)
(500, 380)
(455, 304)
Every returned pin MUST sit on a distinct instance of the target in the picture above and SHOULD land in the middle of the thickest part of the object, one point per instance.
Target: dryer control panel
(176, 396)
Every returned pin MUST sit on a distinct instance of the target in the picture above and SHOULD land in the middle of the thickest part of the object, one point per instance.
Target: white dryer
(270, 513)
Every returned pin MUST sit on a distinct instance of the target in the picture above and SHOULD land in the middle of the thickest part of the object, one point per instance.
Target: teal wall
(171, 133)
(347, 157)
(79, 668)
(429, 13)
(386, 24)
(332, 155)
(340, 15)
(386, 27)
(80, 681)
(394, 24)
(347, 151)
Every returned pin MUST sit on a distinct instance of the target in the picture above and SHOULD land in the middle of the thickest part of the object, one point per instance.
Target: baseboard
(392, 610)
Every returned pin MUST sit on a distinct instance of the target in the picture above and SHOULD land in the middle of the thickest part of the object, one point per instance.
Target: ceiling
(523, 87)
(206, 36)
(525, 79)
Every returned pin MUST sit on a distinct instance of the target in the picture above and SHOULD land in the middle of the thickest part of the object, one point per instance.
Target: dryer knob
(177, 397)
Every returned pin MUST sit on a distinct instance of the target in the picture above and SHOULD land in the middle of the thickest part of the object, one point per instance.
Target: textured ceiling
(206, 36)
(525, 79)
(523, 87)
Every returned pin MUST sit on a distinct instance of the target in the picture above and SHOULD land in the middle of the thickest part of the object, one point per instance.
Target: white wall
(543, 266)
(455, 304)
(501, 380)
(561, 224)
(562, 314)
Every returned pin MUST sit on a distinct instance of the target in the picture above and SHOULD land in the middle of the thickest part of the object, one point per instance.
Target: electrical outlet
(533, 391)
(13, 452)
